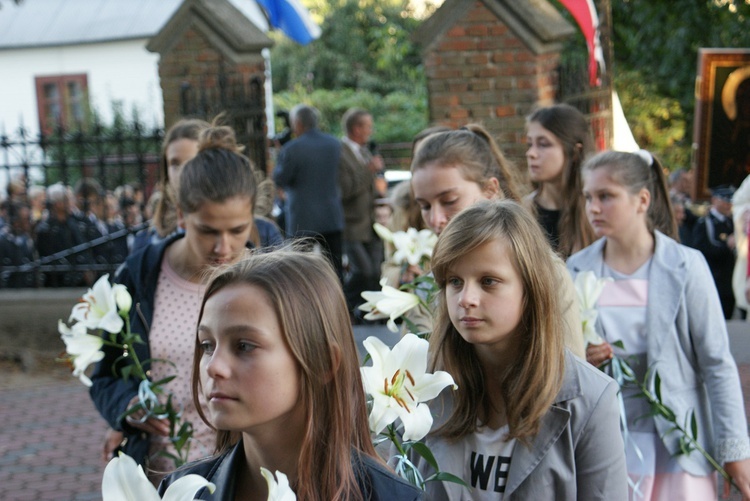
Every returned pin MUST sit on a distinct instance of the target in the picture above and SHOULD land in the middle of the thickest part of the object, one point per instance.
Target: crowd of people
(267, 369)
(38, 222)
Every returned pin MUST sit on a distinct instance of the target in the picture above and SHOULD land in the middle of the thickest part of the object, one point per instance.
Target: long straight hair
(572, 130)
(531, 382)
(636, 171)
(312, 312)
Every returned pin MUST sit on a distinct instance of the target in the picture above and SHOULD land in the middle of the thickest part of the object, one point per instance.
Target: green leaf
(444, 476)
(657, 386)
(693, 425)
(619, 344)
(425, 452)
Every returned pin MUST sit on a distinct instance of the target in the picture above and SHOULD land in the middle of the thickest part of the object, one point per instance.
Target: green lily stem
(394, 439)
(669, 415)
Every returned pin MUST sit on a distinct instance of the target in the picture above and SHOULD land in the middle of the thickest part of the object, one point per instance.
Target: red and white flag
(584, 12)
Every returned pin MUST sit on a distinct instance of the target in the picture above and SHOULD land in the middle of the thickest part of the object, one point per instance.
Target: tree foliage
(661, 40)
(364, 45)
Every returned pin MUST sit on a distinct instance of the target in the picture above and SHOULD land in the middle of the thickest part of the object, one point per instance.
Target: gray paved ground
(51, 434)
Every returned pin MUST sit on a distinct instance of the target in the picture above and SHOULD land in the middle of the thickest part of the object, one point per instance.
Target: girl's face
(545, 155)
(217, 232)
(249, 376)
(178, 153)
(442, 192)
(485, 295)
(611, 209)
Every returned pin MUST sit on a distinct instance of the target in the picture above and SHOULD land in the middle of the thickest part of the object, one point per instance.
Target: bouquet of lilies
(399, 387)
(106, 307)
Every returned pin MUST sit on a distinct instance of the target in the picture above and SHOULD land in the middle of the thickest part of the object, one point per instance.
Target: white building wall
(123, 72)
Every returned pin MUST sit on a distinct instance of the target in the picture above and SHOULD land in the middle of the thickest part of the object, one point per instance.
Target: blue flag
(291, 17)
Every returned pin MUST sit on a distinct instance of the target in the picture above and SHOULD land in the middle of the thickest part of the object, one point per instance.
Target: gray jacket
(689, 348)
(578, 453)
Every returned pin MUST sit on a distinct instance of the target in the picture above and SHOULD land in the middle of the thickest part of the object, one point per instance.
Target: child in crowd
(452, 171)
(559, 139)
(216, 201)
(276, 362)
(529, 421)
(663, 306)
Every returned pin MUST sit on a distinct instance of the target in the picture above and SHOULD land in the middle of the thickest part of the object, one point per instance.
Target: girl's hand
(112, 441)
(597, 354)
(740, 473)
(151, 425)
(411, 273)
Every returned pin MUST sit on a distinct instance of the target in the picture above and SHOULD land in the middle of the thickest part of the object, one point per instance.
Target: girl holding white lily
(662, 306)
(217, 192)
(529, 420)
(276, 362)
(455, 169)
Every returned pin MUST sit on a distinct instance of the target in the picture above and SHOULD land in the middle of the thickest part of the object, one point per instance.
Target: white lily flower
(98, 310)
(278, 491)
(399, 384)
(588, 289)
(124, 480)
(388, 303)
(412, 245)
(83, 348)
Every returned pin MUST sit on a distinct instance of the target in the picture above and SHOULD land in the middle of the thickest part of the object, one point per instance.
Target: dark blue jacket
(111, 393)
(377, 483)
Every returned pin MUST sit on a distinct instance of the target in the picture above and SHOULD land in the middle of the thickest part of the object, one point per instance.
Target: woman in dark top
(558, 139)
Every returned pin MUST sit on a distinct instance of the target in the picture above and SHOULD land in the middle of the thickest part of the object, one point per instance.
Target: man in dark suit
(713, 235)
(357, 173)
(307, 169)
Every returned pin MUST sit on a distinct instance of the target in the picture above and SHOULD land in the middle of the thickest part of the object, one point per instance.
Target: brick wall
(193, 59)
(479, 71)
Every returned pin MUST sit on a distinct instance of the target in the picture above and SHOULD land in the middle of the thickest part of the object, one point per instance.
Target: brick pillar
(479, 70)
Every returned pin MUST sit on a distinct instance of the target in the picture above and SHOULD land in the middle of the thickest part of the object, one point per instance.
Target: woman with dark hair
(217, 193)
(559, 139)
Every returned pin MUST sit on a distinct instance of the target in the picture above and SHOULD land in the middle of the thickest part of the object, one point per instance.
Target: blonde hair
(531, 383)
(312, 312)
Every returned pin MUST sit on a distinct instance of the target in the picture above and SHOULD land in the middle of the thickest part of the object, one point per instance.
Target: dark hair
(352, 117)
(636, 172)
(309, 303)
(572, 129)
(165, 217)
(474, 151)
(217, 173)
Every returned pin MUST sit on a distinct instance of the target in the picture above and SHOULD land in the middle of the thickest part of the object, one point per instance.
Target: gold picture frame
(721, 135)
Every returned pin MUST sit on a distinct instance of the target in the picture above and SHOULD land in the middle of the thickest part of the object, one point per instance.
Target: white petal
(124, 480)
(378, 351)
(383, 232)
(382, 414)
(429, 386)
(417, 423)
(410, 353)
(111, 322)
(185, 488)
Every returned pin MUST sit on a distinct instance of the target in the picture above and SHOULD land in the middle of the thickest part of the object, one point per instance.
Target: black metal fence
(112, 155)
